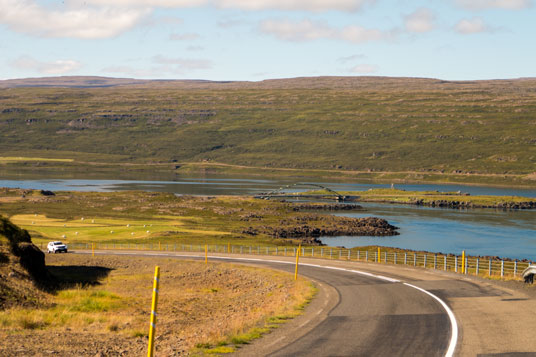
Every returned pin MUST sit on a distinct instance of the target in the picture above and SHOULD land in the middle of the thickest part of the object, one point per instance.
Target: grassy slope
(364, 124)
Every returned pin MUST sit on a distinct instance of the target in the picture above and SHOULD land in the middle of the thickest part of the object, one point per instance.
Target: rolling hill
(365, 124)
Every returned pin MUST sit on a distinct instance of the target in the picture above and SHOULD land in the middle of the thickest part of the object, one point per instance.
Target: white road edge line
(454, 325)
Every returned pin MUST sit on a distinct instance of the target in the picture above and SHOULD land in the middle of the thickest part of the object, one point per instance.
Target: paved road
(360, 315)
(373, 317)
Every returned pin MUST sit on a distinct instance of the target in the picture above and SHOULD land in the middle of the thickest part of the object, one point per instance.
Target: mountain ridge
(311, 82)
(358, 124)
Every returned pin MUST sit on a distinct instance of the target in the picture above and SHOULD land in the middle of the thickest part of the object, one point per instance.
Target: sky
(261, 39)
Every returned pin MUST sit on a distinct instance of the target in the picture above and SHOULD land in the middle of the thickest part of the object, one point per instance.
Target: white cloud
(132, 72)
(297, 31)
(93, 19)
(494, 4)
(149, 3)
(304, 5)
(358, 34)
(184, 36)
(421, 20)
(26, 16)
(474, 25)
(162, 67)
(307, 30)
(364, 69)
(351, 58)
(170, 20)
(183, 63)
(56, 67)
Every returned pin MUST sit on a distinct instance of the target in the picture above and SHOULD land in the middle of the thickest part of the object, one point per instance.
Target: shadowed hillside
(22, 265)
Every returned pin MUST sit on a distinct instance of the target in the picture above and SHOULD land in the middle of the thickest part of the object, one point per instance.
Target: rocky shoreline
(308, 231)
(464, 204)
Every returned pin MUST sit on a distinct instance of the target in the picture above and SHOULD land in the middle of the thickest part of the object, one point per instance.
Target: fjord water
(478, 231)
(484, 232)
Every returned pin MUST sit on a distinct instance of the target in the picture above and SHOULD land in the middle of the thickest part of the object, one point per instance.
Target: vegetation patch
(157, 219)
(200, 305)
(28, 159)
(434, 198)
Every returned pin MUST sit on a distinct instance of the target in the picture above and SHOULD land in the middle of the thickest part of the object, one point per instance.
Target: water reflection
(213, 185)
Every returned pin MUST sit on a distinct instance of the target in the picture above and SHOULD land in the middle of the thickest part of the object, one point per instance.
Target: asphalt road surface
(373, 318)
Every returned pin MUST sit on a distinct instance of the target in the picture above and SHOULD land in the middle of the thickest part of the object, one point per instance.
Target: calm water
(478, 231)
(234, 186)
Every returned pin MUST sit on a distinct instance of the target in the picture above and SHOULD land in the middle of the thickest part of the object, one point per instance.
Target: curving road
(384, 310)
(373, 317)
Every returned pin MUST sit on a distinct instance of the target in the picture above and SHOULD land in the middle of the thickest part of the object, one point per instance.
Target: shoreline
(159, 171)
(452, 200)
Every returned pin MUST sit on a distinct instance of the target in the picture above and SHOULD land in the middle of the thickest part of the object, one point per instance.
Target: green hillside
(351, 123)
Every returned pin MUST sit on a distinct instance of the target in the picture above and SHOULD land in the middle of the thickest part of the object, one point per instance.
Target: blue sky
(260, 39)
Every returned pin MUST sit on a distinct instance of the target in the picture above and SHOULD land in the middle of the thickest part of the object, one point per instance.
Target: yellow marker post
(297, 260)
(228, 247)
(206, 254)
(379, 255)
(92, 249)
(152, 328)
(463, 261)
(159, 245)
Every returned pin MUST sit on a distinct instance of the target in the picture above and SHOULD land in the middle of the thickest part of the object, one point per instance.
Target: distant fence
(495, 268)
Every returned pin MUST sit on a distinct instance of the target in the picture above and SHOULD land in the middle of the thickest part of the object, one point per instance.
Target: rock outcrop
(309, 228)
(22, 268)
(464, 204)
(20, 243)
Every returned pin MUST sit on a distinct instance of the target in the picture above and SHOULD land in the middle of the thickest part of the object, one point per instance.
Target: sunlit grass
(103, 229)
(71, 308)
(23, 159)
(425, 197)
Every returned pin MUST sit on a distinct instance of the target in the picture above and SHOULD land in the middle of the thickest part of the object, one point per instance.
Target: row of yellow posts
(379, 259)
(463, 259)
(154, 304)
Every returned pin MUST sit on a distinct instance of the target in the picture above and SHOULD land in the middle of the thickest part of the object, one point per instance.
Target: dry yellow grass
(199, 305)
(6, 159)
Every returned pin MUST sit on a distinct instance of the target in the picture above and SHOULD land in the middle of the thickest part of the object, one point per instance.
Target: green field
(155, 218)
(390, 129)
(428, 197)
